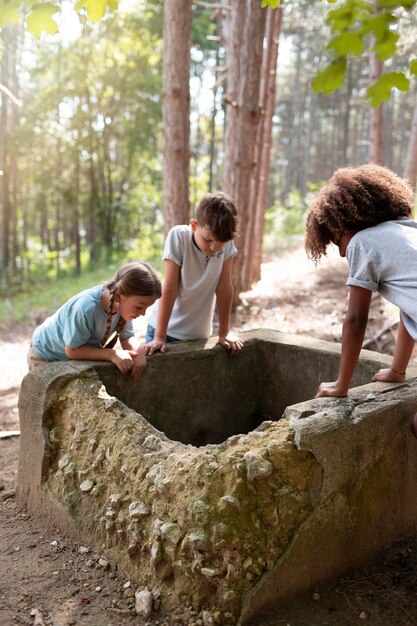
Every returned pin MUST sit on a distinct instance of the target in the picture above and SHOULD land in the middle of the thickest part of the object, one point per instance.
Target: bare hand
(232, 342)
(388, 376)
(139, 363)
(157, 343)
(331, 389)
(123, 359)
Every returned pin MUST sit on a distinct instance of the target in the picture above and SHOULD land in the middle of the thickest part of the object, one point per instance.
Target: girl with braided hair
(366, 212)
(88, 325)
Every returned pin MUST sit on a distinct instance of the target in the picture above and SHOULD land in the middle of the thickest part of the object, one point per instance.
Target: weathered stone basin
(216, 483)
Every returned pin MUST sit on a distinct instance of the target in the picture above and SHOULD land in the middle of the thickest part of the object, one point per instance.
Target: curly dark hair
(355, 198)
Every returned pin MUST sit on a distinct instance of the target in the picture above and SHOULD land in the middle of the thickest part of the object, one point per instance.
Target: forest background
(114, 123)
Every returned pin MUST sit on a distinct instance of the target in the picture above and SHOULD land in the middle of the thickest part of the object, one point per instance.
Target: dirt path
(45, 578)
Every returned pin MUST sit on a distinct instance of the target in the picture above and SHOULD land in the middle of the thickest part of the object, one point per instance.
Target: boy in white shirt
(198, 260)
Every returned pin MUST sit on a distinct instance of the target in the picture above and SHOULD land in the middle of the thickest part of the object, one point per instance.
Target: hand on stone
(123, 359)
(139, 364)
(157, 343)
(232, 342)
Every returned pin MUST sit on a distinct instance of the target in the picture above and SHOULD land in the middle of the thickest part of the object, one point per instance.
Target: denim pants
(150, 334)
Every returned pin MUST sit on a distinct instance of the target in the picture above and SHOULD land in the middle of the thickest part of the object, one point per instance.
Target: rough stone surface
(227, 528)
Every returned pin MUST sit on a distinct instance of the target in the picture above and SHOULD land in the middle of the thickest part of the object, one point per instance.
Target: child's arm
(403, 350)
(224, 294)
(136, 349)
(169, 295)
(121, 358)
(354, 327)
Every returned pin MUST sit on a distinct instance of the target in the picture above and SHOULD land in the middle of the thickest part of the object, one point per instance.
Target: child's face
(131, 307)
(342, 243)
(205, 239)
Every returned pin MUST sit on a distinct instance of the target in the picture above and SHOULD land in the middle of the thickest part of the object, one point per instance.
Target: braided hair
(131, 279)
(355, 198)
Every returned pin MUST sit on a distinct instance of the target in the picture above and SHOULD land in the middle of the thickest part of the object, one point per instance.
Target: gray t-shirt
(383, 258)
(192, 314)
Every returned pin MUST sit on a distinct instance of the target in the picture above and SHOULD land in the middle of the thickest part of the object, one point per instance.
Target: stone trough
(216, 483)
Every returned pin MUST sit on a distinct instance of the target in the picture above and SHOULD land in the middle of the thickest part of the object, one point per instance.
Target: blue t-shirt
(81, 320)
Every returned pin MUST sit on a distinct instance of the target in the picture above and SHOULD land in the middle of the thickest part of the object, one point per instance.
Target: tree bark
(233, 25)
(4, 156)
(376, 67)
(176, 111)
(259, 187)
(240, 154)
(411, 163)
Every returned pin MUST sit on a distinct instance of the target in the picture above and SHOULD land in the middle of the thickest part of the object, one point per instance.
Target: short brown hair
(355, 198)
(217, 212)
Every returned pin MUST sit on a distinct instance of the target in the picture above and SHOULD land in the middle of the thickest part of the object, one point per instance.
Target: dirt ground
(48, 579)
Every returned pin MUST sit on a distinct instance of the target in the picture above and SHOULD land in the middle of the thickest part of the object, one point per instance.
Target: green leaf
(331, 78)
(96, 8)
(413, 67)
(380, 90)
(347, 43)
(387, 48)
(40, 20)
(347, 14)
(379, 25)
(271, 3)
(8, 13)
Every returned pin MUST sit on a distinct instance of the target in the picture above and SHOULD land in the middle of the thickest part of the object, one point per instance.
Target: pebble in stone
(143, 603)
(86, 485)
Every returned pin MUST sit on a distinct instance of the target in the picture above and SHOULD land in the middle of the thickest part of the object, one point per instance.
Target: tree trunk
(176, 111)
(233, 25)
(240, 151)
(4, 156)
(260, 186)
(411, 163)
(376, 67)
(292, 164)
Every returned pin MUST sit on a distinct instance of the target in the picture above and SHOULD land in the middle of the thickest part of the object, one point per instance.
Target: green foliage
(40, 16)
(331, 77)
(96, 8)
(50, 295)
(354, 24)
(381, 89)
(89, 143)
(51, 280)
(8, 13)
(271, 3)
(40, 20)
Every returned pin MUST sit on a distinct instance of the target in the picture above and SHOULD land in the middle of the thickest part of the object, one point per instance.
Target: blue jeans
(150, 334)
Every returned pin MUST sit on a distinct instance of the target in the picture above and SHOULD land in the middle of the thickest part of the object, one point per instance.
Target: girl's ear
(193, 224)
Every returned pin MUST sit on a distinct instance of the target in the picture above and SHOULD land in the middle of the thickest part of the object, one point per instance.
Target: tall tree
(232, 30)
(240, 152)
(376, 148)
(411, 162)
(260, 180)
(176, 111)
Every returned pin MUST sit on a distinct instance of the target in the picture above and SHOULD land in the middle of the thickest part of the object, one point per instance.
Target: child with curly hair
(366, 212)
(88, 325)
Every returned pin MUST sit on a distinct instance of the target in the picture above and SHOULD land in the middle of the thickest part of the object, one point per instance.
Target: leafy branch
(353, 25)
